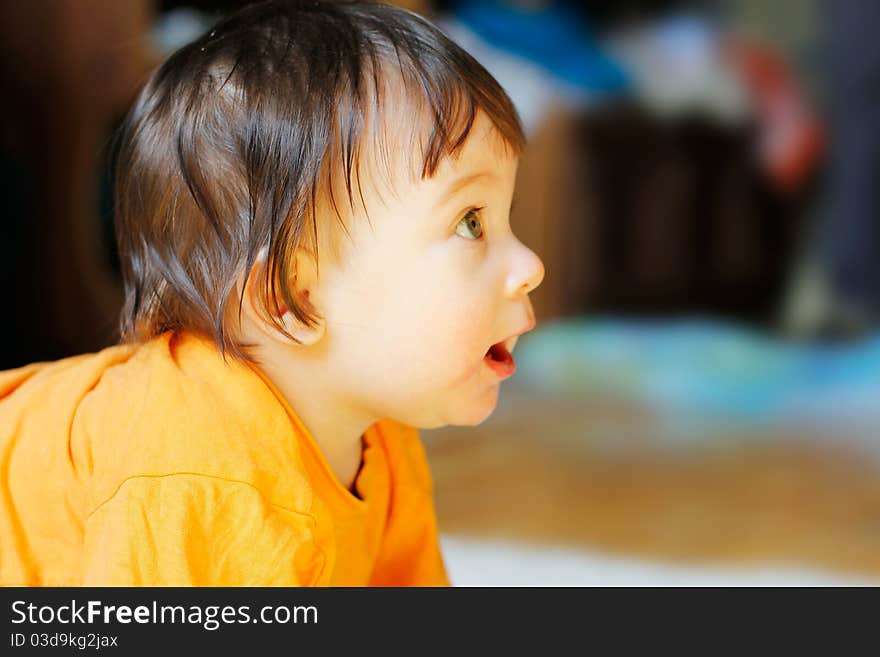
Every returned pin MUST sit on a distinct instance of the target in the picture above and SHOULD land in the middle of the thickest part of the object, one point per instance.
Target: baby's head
(325, 188)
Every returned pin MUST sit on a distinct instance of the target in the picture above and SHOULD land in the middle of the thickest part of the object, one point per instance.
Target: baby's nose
(527, 272)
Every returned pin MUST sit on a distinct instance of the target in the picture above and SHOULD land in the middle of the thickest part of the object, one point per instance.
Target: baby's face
(421, 296)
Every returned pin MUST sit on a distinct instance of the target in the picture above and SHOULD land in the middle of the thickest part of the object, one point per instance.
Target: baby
(313, 223)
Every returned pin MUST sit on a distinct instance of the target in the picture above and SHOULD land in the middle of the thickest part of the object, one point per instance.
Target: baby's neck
(333, 424)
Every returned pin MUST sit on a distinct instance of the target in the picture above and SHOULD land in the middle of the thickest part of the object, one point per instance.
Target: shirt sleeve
(198, 530)
(410, 553)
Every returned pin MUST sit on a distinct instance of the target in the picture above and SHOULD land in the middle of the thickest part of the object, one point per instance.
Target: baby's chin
(467, 411)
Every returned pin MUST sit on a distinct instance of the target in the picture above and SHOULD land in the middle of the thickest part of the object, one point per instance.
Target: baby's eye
(470, 227)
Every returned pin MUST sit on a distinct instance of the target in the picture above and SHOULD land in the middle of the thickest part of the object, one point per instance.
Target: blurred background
(700, 403)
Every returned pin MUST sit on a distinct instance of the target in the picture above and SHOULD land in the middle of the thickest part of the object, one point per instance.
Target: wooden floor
(590, 475)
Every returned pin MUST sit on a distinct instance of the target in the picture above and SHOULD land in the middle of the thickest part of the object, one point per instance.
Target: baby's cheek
(467, 337)
(442, 323)
(431, 350)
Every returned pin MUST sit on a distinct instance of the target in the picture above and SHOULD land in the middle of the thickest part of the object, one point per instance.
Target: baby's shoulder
(159, 414)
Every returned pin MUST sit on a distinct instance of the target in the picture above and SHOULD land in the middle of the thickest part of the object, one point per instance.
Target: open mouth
(499, 360)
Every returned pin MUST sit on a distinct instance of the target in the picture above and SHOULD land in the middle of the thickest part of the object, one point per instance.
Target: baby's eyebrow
(461, 182)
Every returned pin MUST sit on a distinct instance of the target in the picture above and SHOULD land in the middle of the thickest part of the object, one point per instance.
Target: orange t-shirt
(162, 465)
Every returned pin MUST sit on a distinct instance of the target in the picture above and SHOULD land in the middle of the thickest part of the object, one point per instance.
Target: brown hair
(230, 144)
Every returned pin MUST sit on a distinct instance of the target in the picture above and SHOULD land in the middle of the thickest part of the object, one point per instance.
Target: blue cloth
(555, 36)
(704, 368)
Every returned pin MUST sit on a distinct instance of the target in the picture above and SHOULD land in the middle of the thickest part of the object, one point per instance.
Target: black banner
(125, 621)
(129, 621)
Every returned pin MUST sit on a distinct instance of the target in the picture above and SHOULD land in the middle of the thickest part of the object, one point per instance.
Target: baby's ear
(302, 287)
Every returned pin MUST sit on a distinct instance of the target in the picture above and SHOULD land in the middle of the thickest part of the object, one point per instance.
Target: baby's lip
(510, 342)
